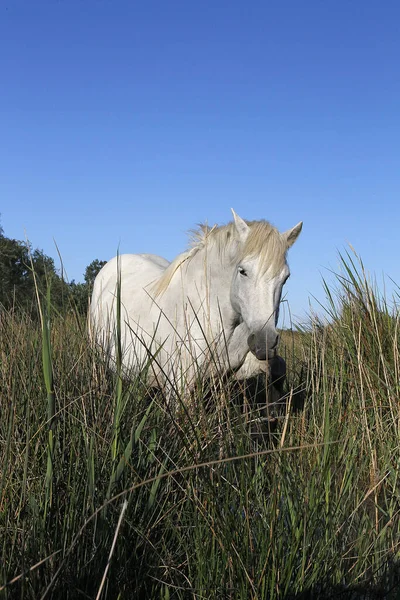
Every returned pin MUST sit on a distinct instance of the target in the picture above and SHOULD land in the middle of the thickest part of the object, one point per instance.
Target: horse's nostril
(261, 353)
(251, 341)
(276, 342)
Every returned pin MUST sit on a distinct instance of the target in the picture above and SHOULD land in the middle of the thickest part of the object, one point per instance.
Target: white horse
(206, 311)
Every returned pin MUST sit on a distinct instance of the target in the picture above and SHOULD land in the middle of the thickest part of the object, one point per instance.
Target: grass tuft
(215, 502)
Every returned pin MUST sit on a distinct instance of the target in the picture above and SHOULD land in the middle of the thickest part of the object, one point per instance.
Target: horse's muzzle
(257, 343)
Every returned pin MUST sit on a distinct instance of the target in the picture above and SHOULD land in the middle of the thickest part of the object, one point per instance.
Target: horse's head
(260, 272)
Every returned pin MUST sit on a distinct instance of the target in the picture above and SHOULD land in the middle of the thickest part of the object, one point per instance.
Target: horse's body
(205, 311)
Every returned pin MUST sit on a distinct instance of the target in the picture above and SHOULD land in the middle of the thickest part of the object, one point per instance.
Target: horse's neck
(209, 275)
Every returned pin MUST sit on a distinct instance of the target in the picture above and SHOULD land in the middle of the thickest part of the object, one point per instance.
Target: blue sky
(123, 124)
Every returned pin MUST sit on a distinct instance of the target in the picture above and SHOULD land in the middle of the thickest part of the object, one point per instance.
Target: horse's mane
(264, 241)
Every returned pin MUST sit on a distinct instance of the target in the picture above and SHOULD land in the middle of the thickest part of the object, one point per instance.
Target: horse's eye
(242, 271)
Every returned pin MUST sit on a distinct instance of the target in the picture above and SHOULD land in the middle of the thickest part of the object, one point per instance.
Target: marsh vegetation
(105, 492)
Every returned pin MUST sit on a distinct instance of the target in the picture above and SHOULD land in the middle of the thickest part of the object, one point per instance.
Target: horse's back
(133, 275)
(126, 267)
(154, 258)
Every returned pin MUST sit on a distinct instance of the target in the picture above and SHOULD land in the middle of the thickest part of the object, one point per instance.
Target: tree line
(27, 273)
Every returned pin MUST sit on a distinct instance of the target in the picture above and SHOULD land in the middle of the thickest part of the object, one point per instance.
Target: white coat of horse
(206, 311)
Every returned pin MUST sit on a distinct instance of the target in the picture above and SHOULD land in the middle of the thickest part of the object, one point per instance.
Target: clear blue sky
(125, 123)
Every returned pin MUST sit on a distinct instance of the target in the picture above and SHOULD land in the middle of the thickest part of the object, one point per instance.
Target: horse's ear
(292, 234)
(241, 226)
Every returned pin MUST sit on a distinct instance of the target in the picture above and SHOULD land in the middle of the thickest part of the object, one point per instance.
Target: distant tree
(24, 273)
(14, 271)
(81, 292)
(92, 270)
(79, 295)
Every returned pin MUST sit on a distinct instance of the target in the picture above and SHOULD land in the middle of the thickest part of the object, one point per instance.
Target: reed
(106, 491)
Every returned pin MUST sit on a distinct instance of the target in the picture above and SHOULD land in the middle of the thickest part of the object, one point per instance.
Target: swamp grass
(106, 493)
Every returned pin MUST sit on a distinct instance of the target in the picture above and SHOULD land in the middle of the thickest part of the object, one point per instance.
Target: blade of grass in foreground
(48, 378)
(118, 387)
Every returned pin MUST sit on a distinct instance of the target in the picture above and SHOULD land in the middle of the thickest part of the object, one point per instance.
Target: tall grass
(128, 499)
